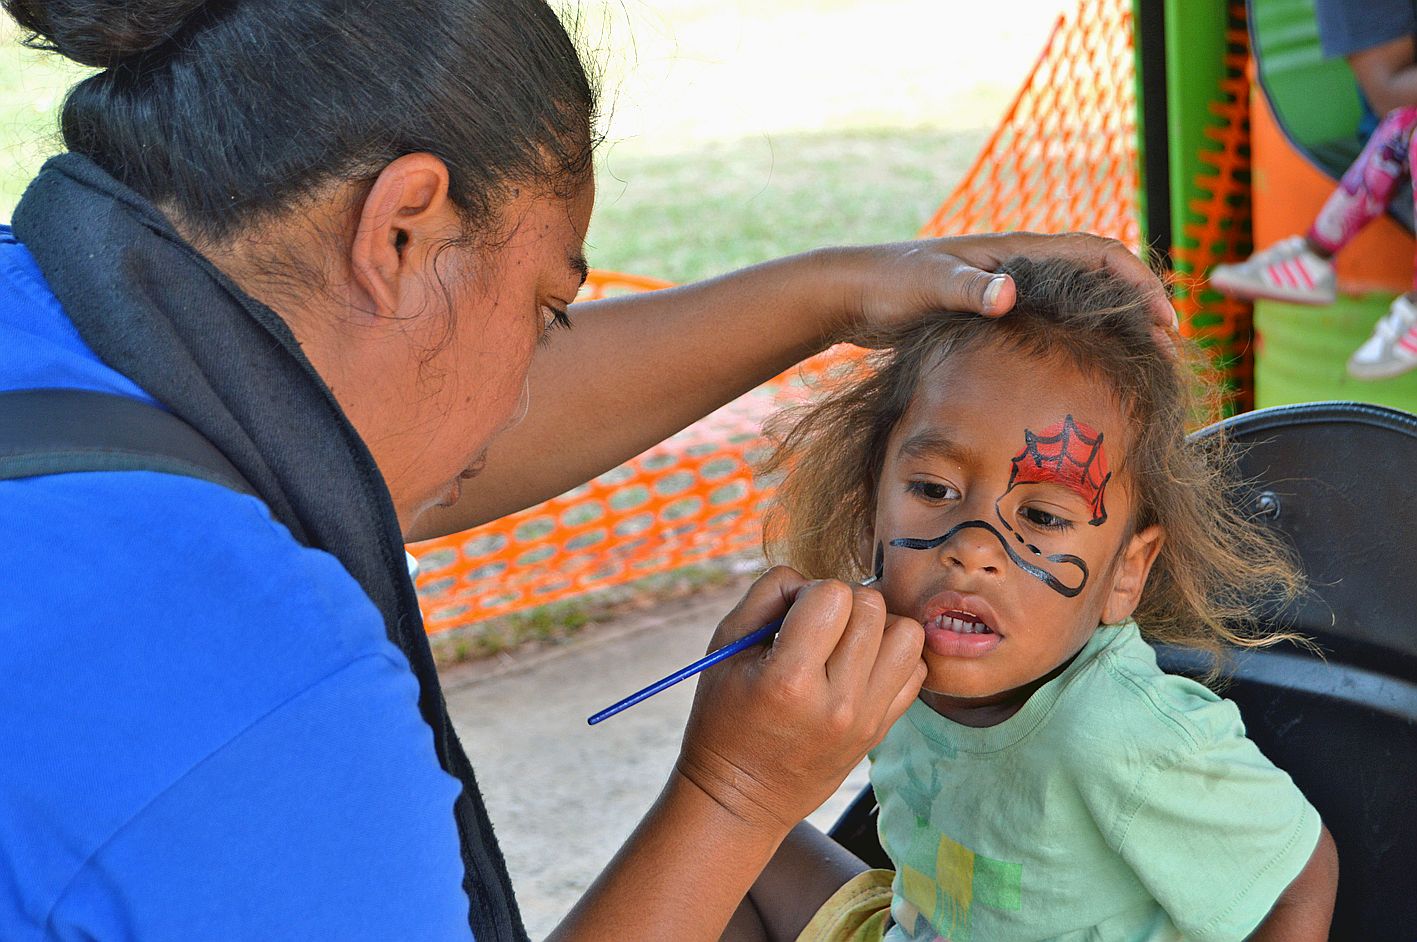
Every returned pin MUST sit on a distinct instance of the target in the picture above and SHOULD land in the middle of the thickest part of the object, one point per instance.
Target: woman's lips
(474, 469)
(451, 495)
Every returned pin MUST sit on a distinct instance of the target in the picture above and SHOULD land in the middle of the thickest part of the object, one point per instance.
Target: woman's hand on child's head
(905, 281)
(774, 732)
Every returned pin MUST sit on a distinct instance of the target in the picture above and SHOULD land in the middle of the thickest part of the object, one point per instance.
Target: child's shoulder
(1124, 699)
(1126, 730)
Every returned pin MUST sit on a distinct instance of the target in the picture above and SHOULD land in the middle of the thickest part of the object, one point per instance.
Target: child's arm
(1304, 910)
(1387, 74)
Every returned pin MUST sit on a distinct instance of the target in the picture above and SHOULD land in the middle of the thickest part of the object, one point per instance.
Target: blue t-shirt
(206, 733)
(1349, 26)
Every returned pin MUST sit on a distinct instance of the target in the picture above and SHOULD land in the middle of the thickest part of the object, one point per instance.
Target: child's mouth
(965, 623)
(960, 625)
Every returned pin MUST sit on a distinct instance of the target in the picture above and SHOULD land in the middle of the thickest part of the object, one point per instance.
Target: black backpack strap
(62, 431)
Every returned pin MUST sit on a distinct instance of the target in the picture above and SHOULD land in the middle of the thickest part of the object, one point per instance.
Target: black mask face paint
(1038, 572)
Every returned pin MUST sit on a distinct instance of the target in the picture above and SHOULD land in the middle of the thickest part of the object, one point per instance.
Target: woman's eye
(551, 319)
(1044, 519)
(932, 490)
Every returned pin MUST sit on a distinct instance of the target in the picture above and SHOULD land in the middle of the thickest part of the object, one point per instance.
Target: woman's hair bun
(100, 33)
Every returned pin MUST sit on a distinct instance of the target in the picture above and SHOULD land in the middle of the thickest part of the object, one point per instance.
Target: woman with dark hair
(329, 236)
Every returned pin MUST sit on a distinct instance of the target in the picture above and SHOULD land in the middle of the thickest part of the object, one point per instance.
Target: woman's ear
(406, 214)
(1133, 566)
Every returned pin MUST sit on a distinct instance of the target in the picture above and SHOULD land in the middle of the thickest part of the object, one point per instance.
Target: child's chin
(949, 681)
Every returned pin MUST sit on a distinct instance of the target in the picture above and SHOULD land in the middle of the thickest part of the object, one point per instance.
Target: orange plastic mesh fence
(1063, 158)
(1216, 226)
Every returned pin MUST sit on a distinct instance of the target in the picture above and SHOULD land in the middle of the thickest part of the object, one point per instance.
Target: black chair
(1337, 480)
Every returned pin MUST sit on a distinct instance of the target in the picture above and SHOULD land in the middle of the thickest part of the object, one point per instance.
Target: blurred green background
(734, 131)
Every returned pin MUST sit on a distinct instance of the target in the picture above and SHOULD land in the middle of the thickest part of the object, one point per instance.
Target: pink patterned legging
(1364, 191)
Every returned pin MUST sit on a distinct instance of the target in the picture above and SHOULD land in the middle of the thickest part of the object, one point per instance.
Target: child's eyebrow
(938, 446)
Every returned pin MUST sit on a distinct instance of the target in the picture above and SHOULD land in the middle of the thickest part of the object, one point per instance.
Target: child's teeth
(959, 625)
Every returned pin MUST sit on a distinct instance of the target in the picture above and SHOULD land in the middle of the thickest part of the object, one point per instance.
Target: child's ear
(1133, 566)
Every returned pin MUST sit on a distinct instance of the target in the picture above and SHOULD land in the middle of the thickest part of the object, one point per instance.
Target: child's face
(999, 527)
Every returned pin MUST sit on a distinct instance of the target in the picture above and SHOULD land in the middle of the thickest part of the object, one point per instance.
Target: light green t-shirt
(1120, 803)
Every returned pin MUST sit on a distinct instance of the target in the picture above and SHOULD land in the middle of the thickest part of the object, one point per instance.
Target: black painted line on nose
(1038, 572)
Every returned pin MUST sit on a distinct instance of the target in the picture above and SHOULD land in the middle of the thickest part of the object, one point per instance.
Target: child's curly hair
(1217, 572)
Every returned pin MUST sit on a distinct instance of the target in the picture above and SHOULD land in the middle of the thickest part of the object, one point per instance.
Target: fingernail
(1175, 320)
(991, 293)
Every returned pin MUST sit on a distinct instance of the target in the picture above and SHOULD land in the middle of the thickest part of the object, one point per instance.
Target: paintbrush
(752, 639)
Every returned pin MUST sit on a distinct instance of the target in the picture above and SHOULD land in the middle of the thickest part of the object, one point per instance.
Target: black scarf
(154, 309)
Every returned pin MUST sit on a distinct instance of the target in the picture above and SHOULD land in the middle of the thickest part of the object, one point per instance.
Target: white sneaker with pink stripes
(1286, 271)
(1392, 349)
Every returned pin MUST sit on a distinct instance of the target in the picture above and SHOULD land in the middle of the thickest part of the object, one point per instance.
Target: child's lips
(958, 625)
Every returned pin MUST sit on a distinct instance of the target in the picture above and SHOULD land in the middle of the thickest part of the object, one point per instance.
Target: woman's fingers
(771, 737)
(1120, 260)
(899, 670)
(813, 629)
(766, 601)
(905, 281)
(992, 250)
(850, 664)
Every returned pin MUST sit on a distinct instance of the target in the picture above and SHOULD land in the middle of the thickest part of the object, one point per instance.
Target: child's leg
(1363, 192)
(1299, 268)
(1412, 175)
(1392, 348)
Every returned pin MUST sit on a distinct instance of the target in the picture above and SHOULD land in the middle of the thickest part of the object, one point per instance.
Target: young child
(1023, 487)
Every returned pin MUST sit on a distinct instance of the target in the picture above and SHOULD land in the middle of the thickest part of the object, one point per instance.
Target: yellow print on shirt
(961, 879)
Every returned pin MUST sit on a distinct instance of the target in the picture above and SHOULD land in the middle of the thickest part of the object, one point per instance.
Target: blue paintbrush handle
(763, 634)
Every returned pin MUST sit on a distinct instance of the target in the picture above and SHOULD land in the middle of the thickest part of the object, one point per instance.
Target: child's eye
(1044, 519)
(931, 490)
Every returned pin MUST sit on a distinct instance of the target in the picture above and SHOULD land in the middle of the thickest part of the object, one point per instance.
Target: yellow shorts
(858, 912)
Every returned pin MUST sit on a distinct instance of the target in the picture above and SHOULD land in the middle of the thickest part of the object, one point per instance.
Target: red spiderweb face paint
(1069, 453)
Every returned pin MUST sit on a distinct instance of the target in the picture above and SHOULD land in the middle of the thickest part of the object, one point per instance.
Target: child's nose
(974, 549)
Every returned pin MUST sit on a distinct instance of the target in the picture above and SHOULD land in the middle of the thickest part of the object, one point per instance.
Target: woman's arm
(1305, 909)
(636, 369)
(768, 740)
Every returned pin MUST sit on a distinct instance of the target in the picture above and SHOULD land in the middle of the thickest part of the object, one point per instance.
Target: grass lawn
(735, 130)
(32, 87)
(733, 203)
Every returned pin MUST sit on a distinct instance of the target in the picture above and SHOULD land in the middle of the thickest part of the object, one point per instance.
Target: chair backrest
(1336, 479)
